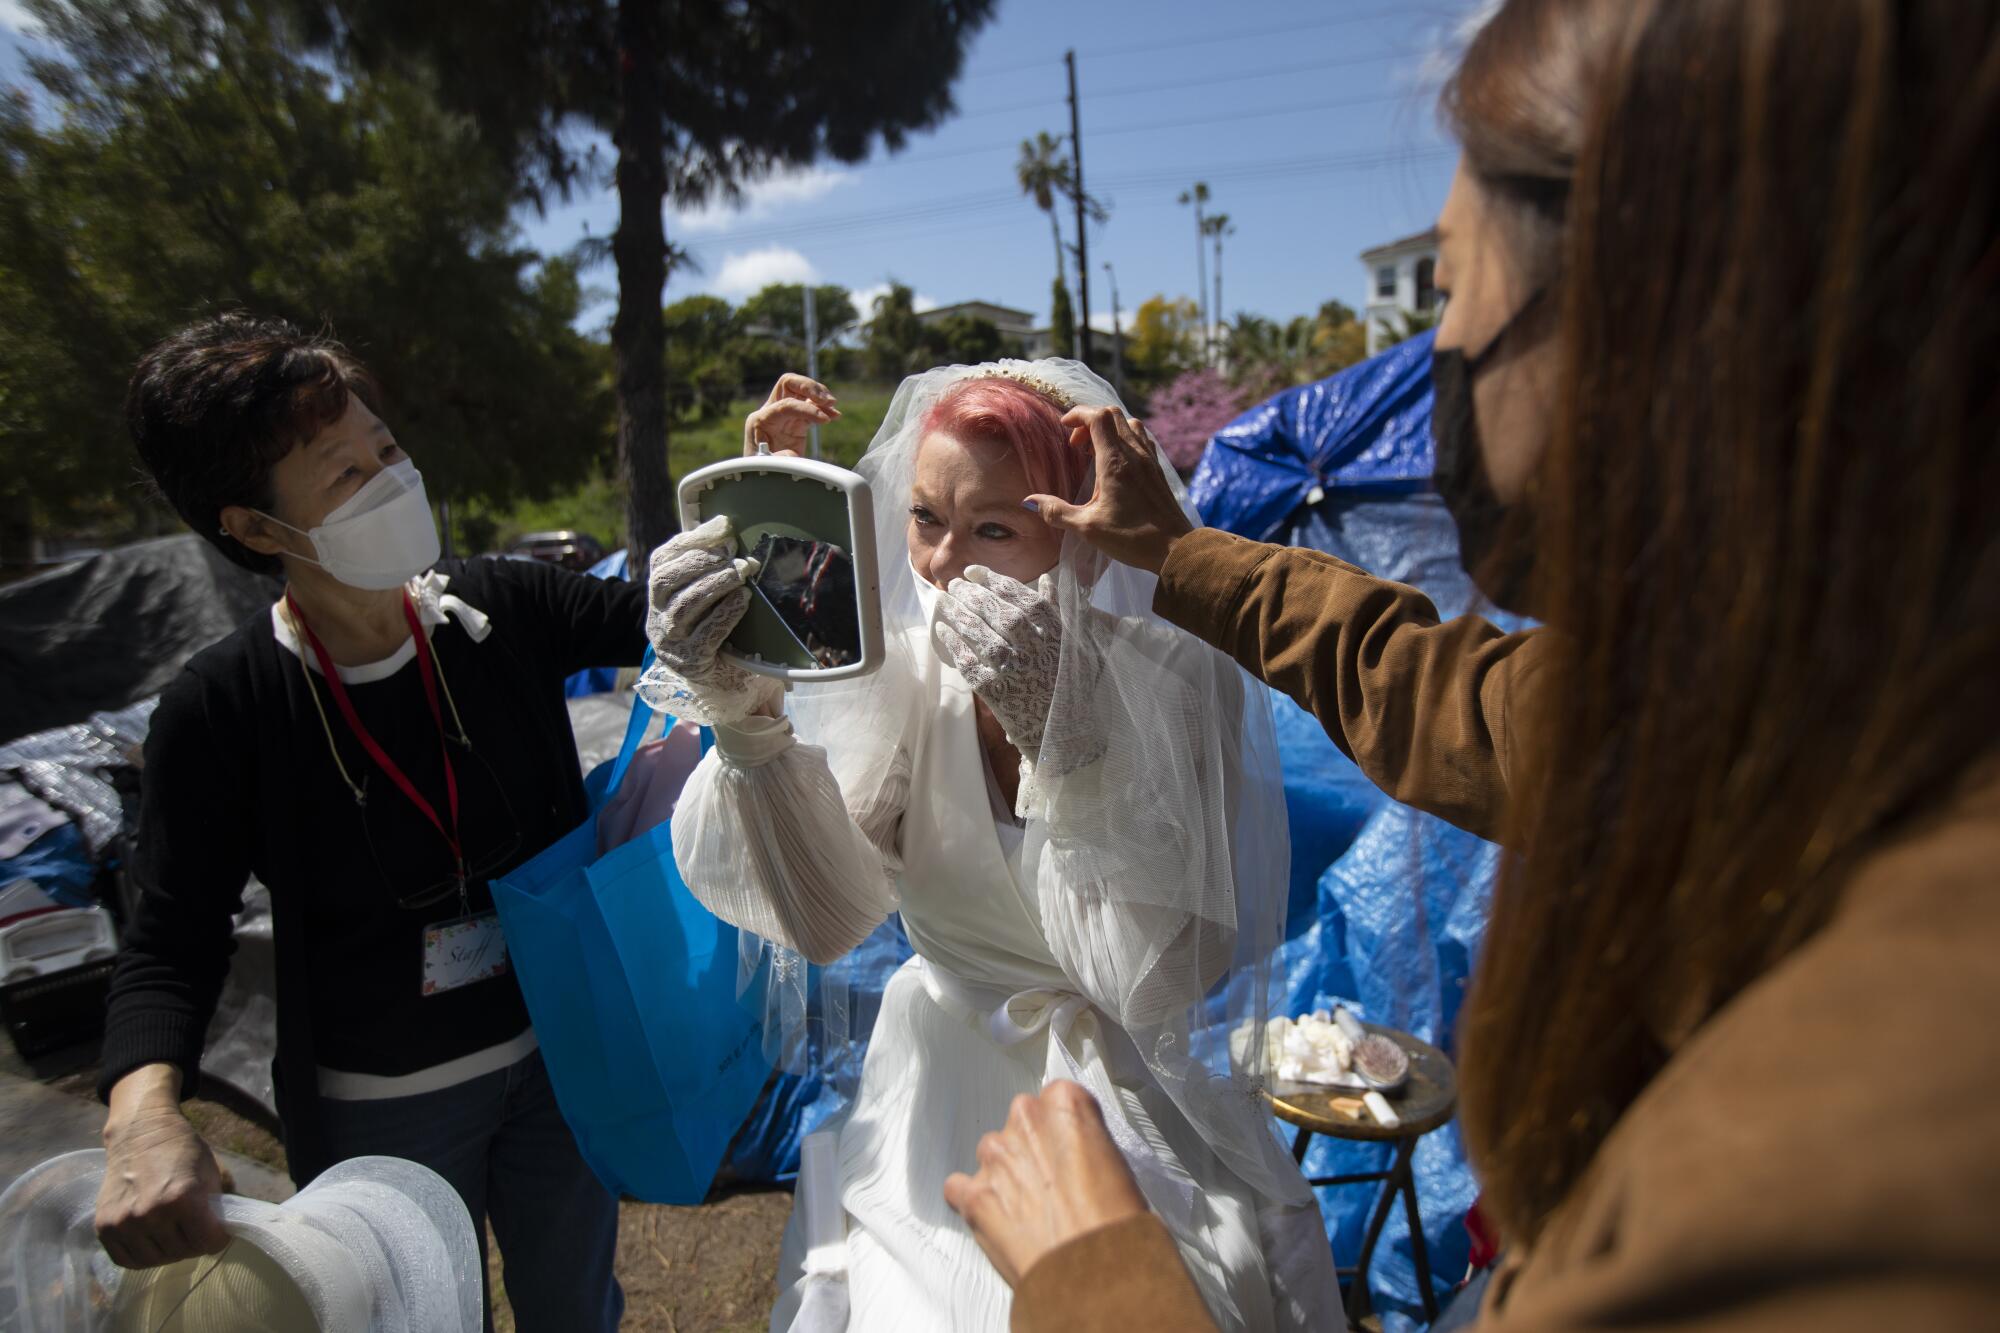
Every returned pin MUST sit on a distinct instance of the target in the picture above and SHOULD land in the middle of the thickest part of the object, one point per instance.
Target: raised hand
(1005, 638)
(1049, 1176)
(786, 419)
(697, 594)
(1133, 516)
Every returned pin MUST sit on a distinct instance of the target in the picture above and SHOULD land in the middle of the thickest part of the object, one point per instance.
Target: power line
(1181, 85)
(970, 207)
(1304, 67)
(1290, 166)
(1206, 39)
(1147, 127)
(1002, 144)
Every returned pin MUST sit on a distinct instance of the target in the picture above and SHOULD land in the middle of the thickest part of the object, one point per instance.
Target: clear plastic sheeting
(242, 1038)
(792, 1106)
(1367, 427)
(1388, 905)
(598, 723)
(70, 768)
(108, 631)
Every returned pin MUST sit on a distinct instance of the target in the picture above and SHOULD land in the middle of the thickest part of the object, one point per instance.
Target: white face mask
(381, 537)
(927, 593)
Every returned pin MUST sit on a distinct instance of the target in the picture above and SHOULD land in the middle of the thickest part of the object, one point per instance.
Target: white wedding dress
(1089, 940)
(949, 1052)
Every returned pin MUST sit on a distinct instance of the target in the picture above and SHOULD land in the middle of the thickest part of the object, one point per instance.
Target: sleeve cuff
(152, 1038)
(1200, 581)
(755, 741)
(1124, 1276)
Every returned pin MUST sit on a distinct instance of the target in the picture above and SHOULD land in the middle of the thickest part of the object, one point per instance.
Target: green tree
(1062, 320)
(896, 343)
(178, 157)
(1332, 314)
(705, 357)
(697, 97)
(1339, 344)
(774, 329)
(1043, 174)
(781, 308)
(967, 340)
(1265, 356)
(1165, 339)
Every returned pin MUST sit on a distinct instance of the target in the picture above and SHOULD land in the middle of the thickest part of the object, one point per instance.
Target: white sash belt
(1070, 1019)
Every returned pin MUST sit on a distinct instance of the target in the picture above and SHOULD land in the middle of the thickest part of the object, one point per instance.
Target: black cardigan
(239, 780)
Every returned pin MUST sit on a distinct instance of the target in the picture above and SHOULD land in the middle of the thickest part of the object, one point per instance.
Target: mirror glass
(808, 586)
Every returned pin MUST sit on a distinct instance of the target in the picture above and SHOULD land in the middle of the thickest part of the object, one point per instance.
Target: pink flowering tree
(1190, 409)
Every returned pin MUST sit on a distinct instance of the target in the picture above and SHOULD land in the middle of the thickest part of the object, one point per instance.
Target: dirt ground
(706, 1269)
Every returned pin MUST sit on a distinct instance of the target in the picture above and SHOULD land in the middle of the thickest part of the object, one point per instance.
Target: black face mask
(1482, 518)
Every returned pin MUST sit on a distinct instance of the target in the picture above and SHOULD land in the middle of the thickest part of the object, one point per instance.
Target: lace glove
(1006, 639)
(696, 596)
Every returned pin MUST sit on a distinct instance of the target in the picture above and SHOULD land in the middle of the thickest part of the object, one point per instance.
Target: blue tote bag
(631, 984)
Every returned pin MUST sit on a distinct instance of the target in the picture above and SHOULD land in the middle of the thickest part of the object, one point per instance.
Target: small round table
(1426, 1101)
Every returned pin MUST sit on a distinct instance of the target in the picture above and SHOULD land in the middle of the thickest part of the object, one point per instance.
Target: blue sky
(1312, 122)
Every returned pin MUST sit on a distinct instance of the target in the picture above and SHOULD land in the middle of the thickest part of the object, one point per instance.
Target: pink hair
(1024, 419)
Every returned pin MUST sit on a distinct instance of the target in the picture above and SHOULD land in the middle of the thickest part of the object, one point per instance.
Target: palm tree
(1044, 176)
(1217, 225)
(1198, 196)
(1409, 323)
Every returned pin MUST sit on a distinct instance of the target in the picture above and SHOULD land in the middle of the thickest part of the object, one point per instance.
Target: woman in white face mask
(375, 749)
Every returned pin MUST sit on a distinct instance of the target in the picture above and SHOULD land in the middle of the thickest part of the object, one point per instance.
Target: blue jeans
(502, 1144)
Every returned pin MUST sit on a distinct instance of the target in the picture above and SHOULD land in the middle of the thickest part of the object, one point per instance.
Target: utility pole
(1117, 334)
(1082, 244)
(812, 346)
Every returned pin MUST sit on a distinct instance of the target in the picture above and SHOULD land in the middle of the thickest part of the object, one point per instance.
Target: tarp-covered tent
(108, 631)
(1388, 905)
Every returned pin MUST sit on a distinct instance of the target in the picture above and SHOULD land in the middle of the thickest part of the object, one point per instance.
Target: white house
(1401, 280)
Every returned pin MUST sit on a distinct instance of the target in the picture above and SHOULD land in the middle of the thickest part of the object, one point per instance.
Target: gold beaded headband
(1033, 381)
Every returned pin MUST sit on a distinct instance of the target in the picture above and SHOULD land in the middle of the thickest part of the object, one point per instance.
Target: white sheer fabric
(1110, 933)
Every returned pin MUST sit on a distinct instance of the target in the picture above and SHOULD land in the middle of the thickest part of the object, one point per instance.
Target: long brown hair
(1768, 517)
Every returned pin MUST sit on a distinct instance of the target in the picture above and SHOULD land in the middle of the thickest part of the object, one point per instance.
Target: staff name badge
(463, 951)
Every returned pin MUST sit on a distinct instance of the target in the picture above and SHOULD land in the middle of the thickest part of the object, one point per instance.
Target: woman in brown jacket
(1716, 401)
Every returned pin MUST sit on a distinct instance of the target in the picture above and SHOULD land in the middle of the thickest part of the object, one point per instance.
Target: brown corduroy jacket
(1823, 1154)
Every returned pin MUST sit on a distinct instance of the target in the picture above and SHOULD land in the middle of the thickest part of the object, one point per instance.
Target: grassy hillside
(598, 506)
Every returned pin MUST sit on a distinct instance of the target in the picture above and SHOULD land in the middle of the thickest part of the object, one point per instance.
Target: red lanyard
(368, 742)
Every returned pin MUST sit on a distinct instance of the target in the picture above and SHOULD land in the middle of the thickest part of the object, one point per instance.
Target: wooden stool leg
(1357, 1295)
(1420, 1253)
(1299, 1146)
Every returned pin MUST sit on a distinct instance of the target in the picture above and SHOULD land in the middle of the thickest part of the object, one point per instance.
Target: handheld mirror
(816, 601)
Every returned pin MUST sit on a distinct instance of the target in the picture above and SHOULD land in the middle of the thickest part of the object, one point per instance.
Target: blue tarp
(1388, 905)
(1366, 428)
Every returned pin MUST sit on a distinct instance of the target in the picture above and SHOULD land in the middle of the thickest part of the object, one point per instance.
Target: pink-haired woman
(1076, 809)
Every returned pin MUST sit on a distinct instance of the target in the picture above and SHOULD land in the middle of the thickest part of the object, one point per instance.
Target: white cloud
(15, 17)
(760, 198)
(750, 271)
(864, 299)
